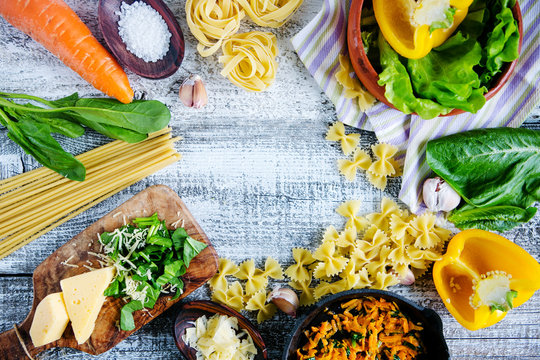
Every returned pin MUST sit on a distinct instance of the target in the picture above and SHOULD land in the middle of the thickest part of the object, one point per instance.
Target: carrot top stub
(55, 25)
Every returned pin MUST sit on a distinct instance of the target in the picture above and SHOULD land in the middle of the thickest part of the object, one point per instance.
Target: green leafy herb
(30, 126)
(149, 262)
(126, 315)
(496, 171)
(446, 23)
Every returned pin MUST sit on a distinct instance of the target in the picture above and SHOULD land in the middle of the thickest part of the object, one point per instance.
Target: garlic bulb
(285, 299)
(193, 93)
(439, 196)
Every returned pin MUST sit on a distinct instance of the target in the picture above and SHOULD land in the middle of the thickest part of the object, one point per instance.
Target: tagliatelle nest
(249, 60)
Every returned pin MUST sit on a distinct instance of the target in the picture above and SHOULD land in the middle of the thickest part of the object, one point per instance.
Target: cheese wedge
(83, 295)
(50, 320)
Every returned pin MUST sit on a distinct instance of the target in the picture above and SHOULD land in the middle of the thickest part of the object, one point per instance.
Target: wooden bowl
(108, 24)
(432, 336)
(369, 77)
(193, 310)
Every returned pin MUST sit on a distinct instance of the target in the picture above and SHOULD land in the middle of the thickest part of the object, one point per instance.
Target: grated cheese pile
(217, 338)
(144, 31)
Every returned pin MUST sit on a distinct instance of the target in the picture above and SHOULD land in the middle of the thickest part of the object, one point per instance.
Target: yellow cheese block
(50, 320)
(83, 295)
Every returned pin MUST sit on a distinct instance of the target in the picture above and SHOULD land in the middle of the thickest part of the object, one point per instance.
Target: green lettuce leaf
(398, 87)
(494, 218)
(446, 23)
(446, 74)
(502, 44)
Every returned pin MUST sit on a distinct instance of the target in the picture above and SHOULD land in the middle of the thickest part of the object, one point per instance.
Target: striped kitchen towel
(324, 38)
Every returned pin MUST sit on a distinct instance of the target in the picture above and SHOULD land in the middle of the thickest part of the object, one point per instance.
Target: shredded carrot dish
(368, 328)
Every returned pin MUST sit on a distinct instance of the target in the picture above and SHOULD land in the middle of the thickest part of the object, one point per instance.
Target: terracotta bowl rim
(369, 77)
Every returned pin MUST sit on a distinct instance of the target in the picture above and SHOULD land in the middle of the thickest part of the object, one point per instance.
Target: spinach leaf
(446, 74)
(192, 248)
(398, 87)
(113, 289)
(141, 116)
(111, 131)
(179, 236)
(36, 140)
(494, 170)
(126, 315)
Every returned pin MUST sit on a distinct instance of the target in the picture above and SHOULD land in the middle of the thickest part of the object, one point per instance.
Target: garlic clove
(193, 93)
(439, 196)
(408, 278)
(285, 299)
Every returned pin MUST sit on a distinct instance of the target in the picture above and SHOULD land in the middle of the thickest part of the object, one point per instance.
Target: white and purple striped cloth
(324, 38)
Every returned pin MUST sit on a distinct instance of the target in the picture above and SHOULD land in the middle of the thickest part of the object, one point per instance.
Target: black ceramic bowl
(432, 336)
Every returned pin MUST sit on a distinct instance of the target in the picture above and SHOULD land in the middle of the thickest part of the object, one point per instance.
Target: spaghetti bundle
(38, 201)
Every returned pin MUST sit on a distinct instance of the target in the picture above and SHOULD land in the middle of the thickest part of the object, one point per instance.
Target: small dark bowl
(108, 24)
(193, 310)
(432, 336)
(369, 77)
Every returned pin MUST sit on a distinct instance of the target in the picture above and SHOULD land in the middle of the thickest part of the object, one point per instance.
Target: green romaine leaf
(491, 218)
(490, 167)
(446, 74)
(398, 87)
(140, 115)
(446, 23)
(126, 315)
(192, 248)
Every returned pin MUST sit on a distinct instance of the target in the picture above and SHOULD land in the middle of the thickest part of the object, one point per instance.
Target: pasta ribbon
(270, 13)
(249, 60)
(212, 21)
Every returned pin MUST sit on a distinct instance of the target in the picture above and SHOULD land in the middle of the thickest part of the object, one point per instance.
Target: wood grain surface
(257, 175)
(79, 251)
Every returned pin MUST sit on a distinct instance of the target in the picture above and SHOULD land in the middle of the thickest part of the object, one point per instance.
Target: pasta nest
(249, 60)
(212, 21)
(270, 13)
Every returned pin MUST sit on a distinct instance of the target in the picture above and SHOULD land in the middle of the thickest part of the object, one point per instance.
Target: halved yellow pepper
(408, 40)
(476, 263)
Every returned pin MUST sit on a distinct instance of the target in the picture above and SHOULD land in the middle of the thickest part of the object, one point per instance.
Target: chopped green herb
(149, 260)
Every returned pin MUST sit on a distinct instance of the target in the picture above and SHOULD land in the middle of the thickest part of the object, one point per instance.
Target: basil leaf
(192, 248)
(142, 116)
(126, 315)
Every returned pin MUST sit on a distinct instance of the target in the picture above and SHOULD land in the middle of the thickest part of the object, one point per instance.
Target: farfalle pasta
(349, 210)
(232, 296)
(270, 13)
(336, 132)
(307, 297)
(257, 302)
(249, 60)
(298, 272)
(348, 168)
(212, 21)
(330, 264)
(352, 88)
(272, 269)
(226, 268)
(255, 279)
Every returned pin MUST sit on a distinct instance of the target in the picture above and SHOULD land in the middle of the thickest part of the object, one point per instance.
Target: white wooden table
(256, 173)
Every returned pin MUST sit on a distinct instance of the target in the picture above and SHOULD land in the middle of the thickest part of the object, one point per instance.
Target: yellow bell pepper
(410, 40)
(482, 276)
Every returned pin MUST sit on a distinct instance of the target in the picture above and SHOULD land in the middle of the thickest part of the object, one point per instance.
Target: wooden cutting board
(47, 275)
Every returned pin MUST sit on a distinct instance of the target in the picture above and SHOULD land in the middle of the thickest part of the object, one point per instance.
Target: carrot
(54, 25)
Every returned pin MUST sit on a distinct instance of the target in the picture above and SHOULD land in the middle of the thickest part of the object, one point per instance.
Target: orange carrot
(53, 24)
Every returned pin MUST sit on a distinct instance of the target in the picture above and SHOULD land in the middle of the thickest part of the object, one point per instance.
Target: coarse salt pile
(144, 31)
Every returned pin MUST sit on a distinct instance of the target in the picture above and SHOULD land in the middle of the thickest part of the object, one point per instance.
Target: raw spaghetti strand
(111, 168)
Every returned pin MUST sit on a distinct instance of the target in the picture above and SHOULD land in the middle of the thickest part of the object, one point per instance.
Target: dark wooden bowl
(108, 24)
(432, 336)
(193, 310)
(369, 77)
